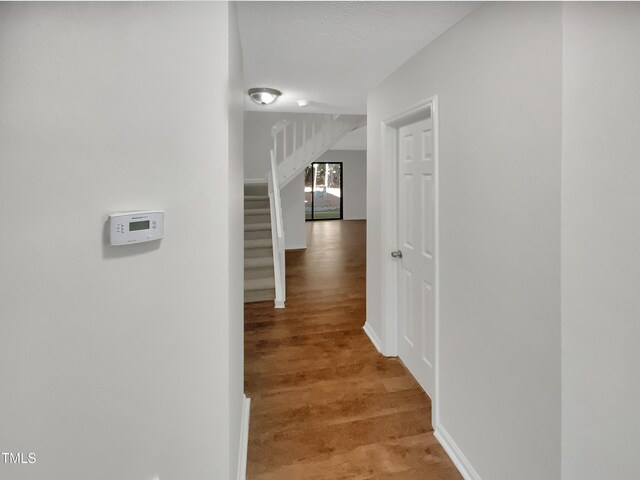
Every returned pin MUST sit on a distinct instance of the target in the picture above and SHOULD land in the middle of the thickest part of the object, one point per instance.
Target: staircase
(295, 145)
(259, 281)
(299, 143)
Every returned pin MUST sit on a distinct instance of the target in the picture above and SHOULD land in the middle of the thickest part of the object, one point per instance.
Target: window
(323, 191)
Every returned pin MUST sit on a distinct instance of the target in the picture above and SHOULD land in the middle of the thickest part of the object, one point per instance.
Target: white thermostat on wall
(136, 227)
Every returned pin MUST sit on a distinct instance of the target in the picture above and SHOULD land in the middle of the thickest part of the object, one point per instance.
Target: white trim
(255, 180)
(244, 439)
(389, 240)
(389, 191)
(455, 453)
(372, 336)
(435, 112)
(278, 303)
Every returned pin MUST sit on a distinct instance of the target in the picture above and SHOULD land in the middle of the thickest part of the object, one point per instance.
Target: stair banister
(325, 130)
(284, 165)
(277, 232)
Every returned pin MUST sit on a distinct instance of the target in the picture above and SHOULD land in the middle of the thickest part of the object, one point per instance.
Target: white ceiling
(333, 53)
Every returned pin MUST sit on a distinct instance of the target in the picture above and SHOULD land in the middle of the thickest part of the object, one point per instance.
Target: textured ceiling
(333, 53)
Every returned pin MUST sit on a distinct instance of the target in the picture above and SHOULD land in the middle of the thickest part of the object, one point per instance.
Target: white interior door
(416, 234)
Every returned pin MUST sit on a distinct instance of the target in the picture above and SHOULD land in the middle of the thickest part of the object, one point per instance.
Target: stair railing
(298, 143)
(277, 232)
(295, 145)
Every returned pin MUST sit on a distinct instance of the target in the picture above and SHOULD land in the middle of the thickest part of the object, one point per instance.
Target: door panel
(427, 222)
(416, 345)
(428, 346)
(408, 307)
(407, 242)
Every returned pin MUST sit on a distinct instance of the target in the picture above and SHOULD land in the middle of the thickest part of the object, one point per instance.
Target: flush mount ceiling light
(303, 102)
(264, 96)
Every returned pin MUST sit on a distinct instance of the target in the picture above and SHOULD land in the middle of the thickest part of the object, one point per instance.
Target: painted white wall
(295, 231)
(600, 250)
(355, 140)
(257, 142)
(119, 362)
(236, 239)
(354, 176)
(497, 74)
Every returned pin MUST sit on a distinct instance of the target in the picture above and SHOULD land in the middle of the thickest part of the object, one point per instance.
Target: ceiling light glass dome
(264, 96)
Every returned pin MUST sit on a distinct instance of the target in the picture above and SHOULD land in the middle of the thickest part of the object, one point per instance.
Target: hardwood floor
(325, 404)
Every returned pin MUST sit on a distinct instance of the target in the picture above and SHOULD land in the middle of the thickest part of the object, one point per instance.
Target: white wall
(354, 176)
(497, 75)
(295, 231)
(600, 248)
(355, 140)
(119, 362)
(236, 237)
(257, 142)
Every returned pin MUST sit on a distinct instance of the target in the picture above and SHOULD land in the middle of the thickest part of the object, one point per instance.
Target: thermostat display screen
(143, 225)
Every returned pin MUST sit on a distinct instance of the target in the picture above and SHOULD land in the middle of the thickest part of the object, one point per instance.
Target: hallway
(325, 404)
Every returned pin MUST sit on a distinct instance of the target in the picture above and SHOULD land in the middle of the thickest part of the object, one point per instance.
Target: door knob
(397, 254)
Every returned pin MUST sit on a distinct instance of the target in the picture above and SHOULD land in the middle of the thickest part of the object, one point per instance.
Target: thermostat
(136, 227)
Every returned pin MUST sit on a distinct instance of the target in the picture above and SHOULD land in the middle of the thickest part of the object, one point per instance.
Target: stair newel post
(277, 233)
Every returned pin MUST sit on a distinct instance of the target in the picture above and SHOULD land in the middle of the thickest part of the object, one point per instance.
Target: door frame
(389, 214)
(341, 194)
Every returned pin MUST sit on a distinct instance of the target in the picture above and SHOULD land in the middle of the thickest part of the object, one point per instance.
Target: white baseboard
(244, 439)
(278, 303)
(373, 337)
(455, 453)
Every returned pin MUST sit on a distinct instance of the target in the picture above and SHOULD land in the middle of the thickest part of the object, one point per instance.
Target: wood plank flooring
(324, 403)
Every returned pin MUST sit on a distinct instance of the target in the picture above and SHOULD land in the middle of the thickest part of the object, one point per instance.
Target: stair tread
(260, 272)
(259, 295)
(259, 283)
(258, 243)
(256, 197)
(258, 262)
(257, 211)
(252, 227)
